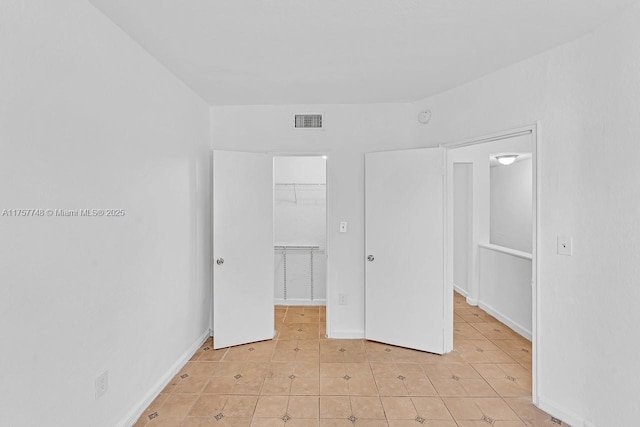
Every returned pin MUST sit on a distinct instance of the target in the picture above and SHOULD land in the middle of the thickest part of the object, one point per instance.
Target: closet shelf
(296, 248)
(293, 188)
(299, 184)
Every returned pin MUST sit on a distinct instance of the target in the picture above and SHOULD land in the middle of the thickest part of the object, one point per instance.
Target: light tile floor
(303, 379)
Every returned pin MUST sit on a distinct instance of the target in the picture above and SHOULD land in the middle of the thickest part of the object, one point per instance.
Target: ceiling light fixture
(507, 159)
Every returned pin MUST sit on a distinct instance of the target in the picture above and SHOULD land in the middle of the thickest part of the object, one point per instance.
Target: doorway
(492, 238)
(246, 255)
(300, 242)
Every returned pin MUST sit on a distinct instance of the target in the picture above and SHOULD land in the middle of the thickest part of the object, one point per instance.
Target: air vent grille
(308, 121)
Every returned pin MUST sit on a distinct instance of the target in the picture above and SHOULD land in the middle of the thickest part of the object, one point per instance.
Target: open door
(243, 309)
(405, 284)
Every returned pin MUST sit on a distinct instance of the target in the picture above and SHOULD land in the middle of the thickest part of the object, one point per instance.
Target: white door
(243, 309)
(405, 248)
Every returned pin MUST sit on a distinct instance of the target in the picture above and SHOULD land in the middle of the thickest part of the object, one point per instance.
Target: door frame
(533, 130)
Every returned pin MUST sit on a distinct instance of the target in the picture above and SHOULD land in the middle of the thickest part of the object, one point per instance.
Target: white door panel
(243, 310)
(405, 236)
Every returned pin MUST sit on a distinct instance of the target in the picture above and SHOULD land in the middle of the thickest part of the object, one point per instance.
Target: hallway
(302, 379)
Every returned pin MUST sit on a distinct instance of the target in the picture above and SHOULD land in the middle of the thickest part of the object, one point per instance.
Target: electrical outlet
(342, 299)
(102, 384)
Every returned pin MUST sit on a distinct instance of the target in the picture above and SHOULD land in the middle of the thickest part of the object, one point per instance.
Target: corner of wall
(132, 417)
(347, 334)
(562, 414)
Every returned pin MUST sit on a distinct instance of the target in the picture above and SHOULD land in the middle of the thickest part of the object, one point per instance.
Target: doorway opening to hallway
(493, 241)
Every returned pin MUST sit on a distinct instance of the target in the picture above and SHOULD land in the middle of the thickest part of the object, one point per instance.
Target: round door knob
(220, 261)
(370, 258)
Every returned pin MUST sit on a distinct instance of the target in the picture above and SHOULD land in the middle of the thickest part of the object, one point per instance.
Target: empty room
(301, 213)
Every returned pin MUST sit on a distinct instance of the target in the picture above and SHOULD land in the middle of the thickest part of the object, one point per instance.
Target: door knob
(220, 261)
(370, 258)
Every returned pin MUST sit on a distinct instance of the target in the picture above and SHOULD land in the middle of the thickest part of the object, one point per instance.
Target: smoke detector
(424, 116)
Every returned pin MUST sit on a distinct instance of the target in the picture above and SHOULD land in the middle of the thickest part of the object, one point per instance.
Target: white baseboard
(506, 320)
(471, 301)
(461, 291)
(144, 403)
(299, 301)
(567, 417)
(348, 334)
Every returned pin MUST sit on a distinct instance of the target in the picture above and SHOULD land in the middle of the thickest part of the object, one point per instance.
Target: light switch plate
(343, 226)
(565, 245)
(342, 299)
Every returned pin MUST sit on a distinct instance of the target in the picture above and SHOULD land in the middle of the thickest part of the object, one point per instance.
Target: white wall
(511, 205)
(586, 94)
(462, 217)
(89, 120)
(350, 131)
(505, 287)
(300, 169)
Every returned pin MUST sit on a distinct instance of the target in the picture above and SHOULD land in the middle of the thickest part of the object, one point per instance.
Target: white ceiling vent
(308, 121)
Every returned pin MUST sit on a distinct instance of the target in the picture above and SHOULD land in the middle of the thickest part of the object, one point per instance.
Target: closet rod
(295, 247)
(302, 185)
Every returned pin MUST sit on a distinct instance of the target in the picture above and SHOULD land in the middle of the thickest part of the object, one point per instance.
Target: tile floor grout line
(399, 362)
(449, 411)
(512, 410)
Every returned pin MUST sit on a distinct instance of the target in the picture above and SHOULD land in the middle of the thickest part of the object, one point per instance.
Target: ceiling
(238, 52)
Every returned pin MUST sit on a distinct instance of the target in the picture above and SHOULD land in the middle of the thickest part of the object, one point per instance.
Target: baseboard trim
(567, 417)
(471, 301)
(506, 320)
(144, 403)
(461, 291)
(299, 301)
(348, 334)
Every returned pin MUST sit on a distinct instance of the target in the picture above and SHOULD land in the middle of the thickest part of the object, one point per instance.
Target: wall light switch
(565, 245)
(343, 226)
